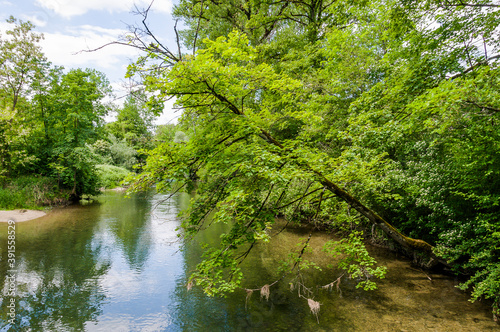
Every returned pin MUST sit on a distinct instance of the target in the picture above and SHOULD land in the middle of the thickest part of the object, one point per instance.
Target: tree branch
(405, 241)
(198, 27)
(471, 68)
(177, 40)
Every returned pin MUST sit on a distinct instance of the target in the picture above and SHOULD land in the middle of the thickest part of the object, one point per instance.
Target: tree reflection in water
(58, 269)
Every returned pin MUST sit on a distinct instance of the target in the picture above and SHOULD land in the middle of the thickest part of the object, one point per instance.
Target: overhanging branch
(405, 241)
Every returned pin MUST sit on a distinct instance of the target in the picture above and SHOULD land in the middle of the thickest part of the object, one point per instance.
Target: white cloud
(69, 8)
(35, 19)
(170, 114)
(4, 26)
(65, 48)
(161, 6)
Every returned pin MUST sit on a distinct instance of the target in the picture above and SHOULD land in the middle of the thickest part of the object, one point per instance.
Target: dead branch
(197, 27)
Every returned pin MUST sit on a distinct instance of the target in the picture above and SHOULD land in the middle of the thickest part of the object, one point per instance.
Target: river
(118, 265)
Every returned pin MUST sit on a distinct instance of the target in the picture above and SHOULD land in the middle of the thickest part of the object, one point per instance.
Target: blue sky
(70, 26)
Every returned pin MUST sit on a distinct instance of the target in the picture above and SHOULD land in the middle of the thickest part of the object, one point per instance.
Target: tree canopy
(49, 116)
(344, 114)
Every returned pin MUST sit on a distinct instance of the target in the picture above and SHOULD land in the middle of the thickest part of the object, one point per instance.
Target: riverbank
(31, 193)
(20, 215)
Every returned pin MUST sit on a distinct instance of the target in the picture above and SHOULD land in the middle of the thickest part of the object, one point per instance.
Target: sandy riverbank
(20, 215)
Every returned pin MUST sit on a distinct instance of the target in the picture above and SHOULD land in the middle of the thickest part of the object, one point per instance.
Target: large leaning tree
(344, 114)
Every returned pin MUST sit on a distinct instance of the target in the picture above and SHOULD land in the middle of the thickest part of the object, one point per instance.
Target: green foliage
(111, 176)
(165, 133)
(114, 151)
(21, 61)
(180, 137)
(31, 192)
(218, 273)
(474, 246)
(71, 115)
(244, 180)
(396, 102)
(134, 122)
(121, 153)
(356, 261)
(76, 171)
(100, 149)
(47, 116)
(52, 122)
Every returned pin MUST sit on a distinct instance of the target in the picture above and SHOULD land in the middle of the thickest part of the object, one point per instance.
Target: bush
(10, 200)
(111, 176)
(31, 192)
(122, 153)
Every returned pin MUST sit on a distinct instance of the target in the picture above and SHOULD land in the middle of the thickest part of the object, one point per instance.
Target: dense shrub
(111, 176)
(122, 154)
(31, 192)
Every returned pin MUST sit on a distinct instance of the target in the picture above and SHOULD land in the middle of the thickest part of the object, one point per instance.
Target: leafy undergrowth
(111, 176)
(31, 192)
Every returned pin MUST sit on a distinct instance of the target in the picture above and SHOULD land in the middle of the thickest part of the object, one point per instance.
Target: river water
(118, 265)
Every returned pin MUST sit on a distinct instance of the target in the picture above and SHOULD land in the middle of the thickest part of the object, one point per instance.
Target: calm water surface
(118, 265)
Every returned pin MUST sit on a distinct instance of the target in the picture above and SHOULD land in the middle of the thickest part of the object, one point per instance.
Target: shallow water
(119, 266)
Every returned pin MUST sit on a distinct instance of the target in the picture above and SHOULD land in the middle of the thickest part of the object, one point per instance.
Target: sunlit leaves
(356, 261)
(395, 101)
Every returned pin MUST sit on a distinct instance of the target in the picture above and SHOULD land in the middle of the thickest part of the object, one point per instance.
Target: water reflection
(58, 269)
(118, 265)
(130, 226)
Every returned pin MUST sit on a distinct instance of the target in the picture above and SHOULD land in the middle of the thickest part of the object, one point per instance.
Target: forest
(55, 145)
(376, 120)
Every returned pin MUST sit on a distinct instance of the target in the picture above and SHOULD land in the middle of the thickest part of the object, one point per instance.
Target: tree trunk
(413, 245)
(73, 196)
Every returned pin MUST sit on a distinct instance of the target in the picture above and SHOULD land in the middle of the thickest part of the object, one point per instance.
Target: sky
(70, 26)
